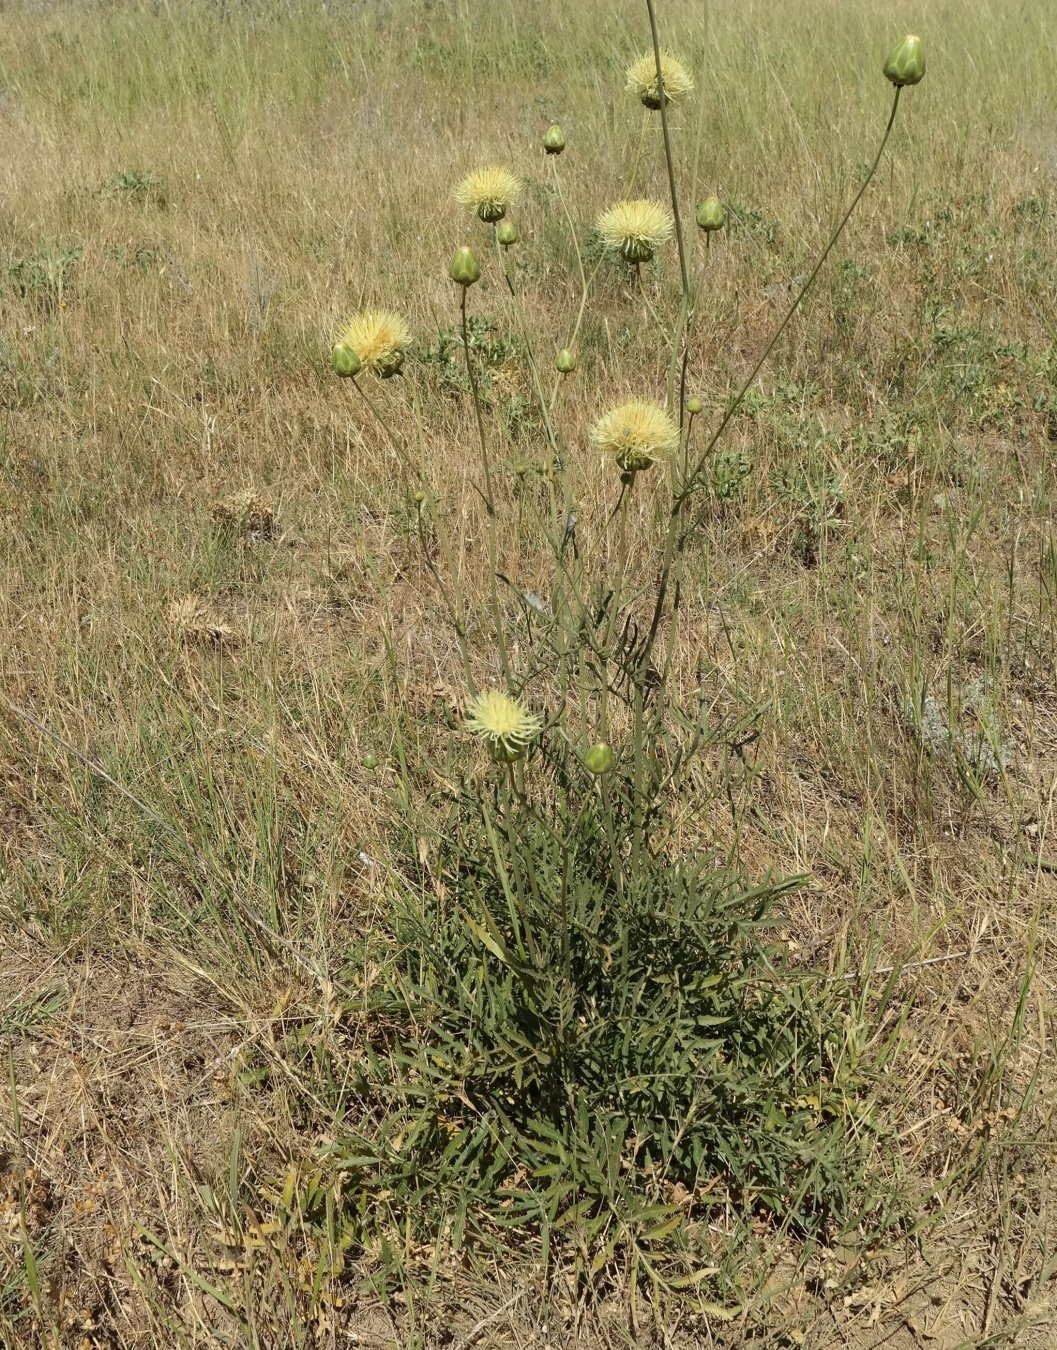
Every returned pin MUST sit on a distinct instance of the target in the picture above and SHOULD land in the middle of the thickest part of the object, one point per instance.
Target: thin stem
(691, 315)
(684, 465)
(684, 271)
(569, 221)
(427, 500)
(680, 343)
(471, 375)
(546, 409)
(585, 281)
(489, 495)
(534, 369)
(652, 312)
(452, 600)
(571, 344)
(638, 153)
(568, 998)
(606, 652)
(621, 512)
(688, 485)
(394, 441)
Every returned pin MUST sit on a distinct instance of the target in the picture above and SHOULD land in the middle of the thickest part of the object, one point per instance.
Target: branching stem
(489, 494)
(676, 537)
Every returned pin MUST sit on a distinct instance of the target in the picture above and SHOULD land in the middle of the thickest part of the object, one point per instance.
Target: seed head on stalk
(636, 433)
(377, 339)
(489, 192)
(642, 79)
(503, 723)
(635, 229)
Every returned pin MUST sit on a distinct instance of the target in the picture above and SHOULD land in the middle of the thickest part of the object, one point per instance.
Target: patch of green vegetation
(39, 279)
(570, 1039)
(491, 348)
(135, 185)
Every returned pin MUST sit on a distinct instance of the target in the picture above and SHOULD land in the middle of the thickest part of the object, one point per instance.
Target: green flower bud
(464, 270)
(554, 141)
(710, 214)
(599, 759)
(507, 233)
(389, 365)
(420, 497)
(693, 406)
(906, 61)
(345, 361)
(370, 761)
(637, 251)
(506, 754)
(566, 362)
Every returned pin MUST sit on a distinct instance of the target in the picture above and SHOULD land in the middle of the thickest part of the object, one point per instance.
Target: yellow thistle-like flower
(378, 338)
(489, 192)
(642, 79)
(503, 722)
(636, 434)
(635, 229)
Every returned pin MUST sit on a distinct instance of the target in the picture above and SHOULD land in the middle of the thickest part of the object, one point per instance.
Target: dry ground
(213, 606)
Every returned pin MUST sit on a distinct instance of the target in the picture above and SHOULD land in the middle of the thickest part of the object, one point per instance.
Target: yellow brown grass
(160, 1042)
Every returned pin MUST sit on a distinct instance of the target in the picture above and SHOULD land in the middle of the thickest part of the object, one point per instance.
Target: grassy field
(231, 689)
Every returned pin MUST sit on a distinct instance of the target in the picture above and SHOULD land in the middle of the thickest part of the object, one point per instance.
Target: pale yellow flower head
(503, 722)
(379, 339)
(636, 434)
(642, 79)
(489, 192)
(635, 229)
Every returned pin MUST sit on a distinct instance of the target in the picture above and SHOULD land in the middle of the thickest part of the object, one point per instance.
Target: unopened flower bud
(710, 215)
(693, 406)
(906, 61)
(506, 233)
(638, 251)
(599, 759)
(370, 761)
(566, 362)
(554, 141)
(464, 270)
(345, 361)
(389, 365)
(506, 754)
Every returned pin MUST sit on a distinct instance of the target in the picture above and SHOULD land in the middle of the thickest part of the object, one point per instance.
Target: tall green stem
(684, 270)
(585, 281)
(391, 436)
(687, 487)
(638, 153)
(537, 385)
(682, 334)
(489, 494)
(453, 600)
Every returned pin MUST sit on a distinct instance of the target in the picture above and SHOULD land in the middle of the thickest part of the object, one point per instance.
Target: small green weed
(749, 222)
(135, 185)
(730, 470)
(493, 350)
(39, 279)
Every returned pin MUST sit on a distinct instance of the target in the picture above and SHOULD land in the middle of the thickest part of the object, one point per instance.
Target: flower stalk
(690, 482)
(489, 493)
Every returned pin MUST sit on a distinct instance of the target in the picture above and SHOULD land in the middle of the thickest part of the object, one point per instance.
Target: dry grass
(214, 605)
